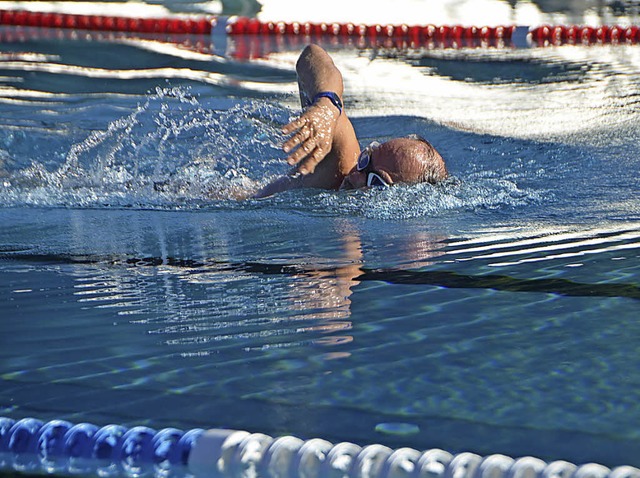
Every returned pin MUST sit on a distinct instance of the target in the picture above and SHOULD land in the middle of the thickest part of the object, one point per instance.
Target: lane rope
(200, 25)
(60, 447)
(412, 36)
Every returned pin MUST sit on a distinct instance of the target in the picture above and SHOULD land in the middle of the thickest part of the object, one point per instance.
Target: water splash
(400, 202)
(171, 151)
(175, 151)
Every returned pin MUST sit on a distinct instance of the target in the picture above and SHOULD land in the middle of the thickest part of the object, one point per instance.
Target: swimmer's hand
(312, 136)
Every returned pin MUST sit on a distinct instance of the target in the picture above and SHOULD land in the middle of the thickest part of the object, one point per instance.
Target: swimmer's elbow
(311, 53)
(316, 68)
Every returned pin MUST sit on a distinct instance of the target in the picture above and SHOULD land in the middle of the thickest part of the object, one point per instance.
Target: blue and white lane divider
(62, 448)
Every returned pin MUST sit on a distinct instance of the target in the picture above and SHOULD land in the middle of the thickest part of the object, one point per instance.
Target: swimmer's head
(410, 160)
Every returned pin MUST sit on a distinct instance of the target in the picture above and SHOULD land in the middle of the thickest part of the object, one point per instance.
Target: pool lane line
(396, 36)
(195, 25)
(60, 447)
(503, 283)
(437, 278)
(445, 35)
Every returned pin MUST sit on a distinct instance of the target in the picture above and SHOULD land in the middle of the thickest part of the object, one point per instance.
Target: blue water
(495, 313)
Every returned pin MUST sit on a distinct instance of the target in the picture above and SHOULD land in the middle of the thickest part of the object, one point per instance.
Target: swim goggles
(364, 160)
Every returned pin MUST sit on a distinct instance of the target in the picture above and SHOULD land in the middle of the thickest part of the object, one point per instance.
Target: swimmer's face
(401, 160)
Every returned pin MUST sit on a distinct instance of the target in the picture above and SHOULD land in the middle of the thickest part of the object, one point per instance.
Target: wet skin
(323, 148)
(396, 161)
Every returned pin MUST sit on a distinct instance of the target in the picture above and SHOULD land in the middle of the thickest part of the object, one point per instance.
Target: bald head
(411, 160)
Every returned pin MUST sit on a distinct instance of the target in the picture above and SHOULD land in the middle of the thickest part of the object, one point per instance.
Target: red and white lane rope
(406, 35)
(200, 25)
(443, 33)
(577, 35)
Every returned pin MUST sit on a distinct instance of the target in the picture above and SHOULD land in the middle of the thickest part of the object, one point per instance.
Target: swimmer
(325, 150)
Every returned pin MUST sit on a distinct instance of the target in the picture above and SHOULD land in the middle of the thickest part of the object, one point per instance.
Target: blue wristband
(333, 97)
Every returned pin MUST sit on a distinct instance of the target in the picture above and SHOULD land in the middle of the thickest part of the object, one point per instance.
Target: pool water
(495, 313)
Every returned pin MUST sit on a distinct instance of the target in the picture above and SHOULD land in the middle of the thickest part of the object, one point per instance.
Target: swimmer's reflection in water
(324, 288)
(325, 150)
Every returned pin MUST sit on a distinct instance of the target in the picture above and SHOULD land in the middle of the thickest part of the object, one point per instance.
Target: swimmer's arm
(323, 142)
(284, 183)
(327, 147)
(317, 72)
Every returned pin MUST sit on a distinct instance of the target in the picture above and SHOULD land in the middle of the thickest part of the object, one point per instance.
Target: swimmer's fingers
(308, 166)
(302, 135)
(312, 137)
(315, 118)
(295, 125)
(302, 152)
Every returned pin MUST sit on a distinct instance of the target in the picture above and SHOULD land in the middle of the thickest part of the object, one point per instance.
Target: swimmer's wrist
(332, 97)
